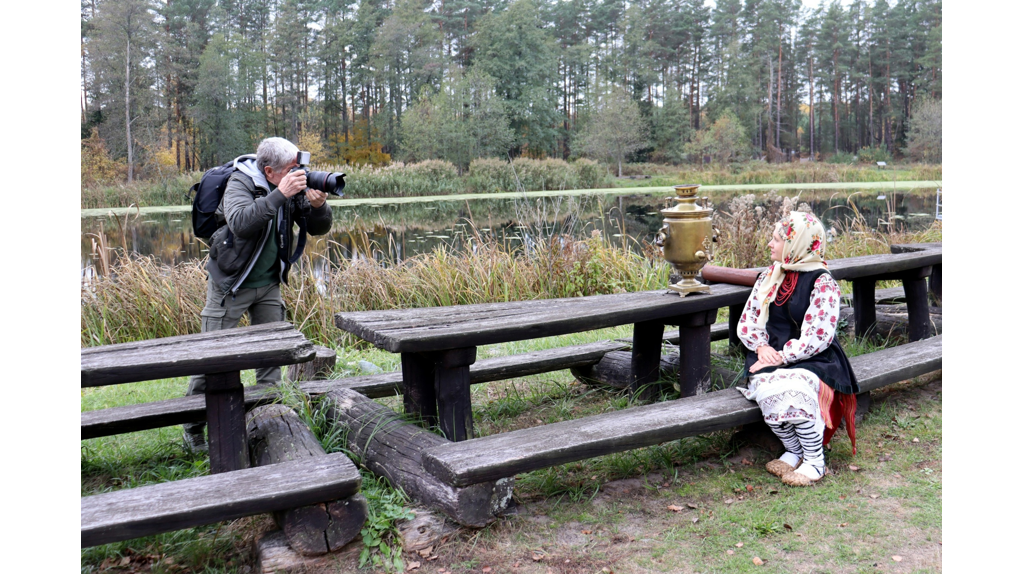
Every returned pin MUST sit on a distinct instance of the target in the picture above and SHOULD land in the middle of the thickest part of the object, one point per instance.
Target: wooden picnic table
(438, 344)
(220, 355)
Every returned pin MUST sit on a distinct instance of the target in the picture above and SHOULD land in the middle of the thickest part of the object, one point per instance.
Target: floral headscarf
(802, 250)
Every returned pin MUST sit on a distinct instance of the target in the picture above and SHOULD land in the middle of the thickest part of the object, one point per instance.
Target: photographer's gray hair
(275, 152)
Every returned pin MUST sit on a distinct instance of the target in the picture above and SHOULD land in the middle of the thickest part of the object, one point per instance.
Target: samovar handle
(661, 239)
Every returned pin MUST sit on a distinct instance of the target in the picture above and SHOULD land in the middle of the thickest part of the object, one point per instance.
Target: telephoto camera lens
(326, 181)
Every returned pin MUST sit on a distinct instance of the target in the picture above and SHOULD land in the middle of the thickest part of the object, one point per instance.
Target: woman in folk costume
(796, 370)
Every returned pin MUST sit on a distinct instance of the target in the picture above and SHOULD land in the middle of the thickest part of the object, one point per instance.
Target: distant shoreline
(900, 185)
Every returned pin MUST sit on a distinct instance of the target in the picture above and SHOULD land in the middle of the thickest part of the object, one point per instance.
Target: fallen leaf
(740, 497)
(843, 525)
(538, 556)
(915, 440)
(897, 558)
(674, 508)
(757, 561)
(739, 545)
(729, 501)
(432, 558)
(800, 535)
(874, 496)
(593, 477)
(691, 505)
(566, 560)
(586, 531)
(125, 561)
(787, 527)
(486, 569)
(168, 561)
(737, 490)
(854, 467)
(426, 551)
(412, 566)
(729, 552)
(747, 462)
(695, 519)
(842, 497)
(750, 488)
(516, 565)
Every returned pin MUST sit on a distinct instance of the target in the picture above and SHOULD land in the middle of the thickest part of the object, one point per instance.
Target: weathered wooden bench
(438, 344)
(156, 414)
(147, 510)
(220, 355)
(507, 454)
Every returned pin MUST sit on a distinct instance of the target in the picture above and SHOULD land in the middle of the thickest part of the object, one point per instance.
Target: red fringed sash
(834, 410)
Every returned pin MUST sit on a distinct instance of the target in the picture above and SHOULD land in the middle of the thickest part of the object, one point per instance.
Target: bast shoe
(794, 478)
(195, 442)
(779, 468)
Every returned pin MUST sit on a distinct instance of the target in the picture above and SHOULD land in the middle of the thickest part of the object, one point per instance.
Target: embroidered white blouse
(816, 332)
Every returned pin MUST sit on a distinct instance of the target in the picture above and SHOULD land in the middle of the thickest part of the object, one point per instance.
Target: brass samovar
(686, 238)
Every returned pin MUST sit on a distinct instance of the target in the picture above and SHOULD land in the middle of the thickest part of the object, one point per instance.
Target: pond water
(390, 232)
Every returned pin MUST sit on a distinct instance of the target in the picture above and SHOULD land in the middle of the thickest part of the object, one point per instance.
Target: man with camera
(252, 252)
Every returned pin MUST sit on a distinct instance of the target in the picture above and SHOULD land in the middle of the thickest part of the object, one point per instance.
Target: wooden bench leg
(451, 384)
(646, 360)
(916, 289)
(935, 284)
(864, 306)
(225, 418)
(695, 352)
(418, 394)
(735, 346)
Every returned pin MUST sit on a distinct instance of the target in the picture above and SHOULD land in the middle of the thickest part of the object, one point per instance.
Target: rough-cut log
(268, 345)
(320, 367)
(424, 530)
(276, 435)
(892, 320)
(129, 418)
(393, 448)
(507, 454)
(613, 371)
(274, 556)
(145, 510)
(225, 418)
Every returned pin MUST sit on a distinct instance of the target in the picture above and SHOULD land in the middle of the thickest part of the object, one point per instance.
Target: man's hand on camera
(292, 183)
(316, 197)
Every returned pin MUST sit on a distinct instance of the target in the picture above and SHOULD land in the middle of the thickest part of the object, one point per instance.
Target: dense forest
(186, 84)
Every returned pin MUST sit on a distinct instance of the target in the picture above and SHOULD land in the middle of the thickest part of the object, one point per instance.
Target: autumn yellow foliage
(97, 166)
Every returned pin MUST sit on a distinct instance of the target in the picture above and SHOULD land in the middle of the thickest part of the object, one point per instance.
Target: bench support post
(418, 387)
(916, 289)
(646, 360)
(225, 418)
(935, 284)
(864, 306)
(735, 346)
(695, 352)
(451, 385)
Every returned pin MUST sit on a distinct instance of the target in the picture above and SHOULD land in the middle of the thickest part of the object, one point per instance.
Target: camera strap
(301, 245)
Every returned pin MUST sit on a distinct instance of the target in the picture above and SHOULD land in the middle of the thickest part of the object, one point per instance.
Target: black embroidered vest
(784, 322)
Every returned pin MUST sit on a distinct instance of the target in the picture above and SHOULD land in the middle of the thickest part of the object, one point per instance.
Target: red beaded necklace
(786, 288)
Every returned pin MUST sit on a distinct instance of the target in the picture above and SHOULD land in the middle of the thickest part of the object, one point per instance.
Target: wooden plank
(268, 345)
(439, 328)
(225, 417)
(507, 454)
(451, 382)
(147, 510)
(695, 351)
(646, 358)
(130, 418)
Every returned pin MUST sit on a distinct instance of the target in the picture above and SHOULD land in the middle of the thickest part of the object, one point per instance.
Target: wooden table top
(268, 345)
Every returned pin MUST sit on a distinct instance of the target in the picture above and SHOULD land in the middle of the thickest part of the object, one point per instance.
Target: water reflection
(389, 233)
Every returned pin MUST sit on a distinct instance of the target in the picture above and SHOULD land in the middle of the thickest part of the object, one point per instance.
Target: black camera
(325, 181)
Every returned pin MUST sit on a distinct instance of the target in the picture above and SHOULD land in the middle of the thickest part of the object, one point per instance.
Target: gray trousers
(263, 304)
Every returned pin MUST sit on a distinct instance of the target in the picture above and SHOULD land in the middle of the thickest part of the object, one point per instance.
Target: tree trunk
(810, 93)
(321, 367)
(128, 107)
(277, 435)
(778, 102)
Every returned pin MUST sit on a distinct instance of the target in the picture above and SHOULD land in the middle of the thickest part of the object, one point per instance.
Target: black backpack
(208, 193)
